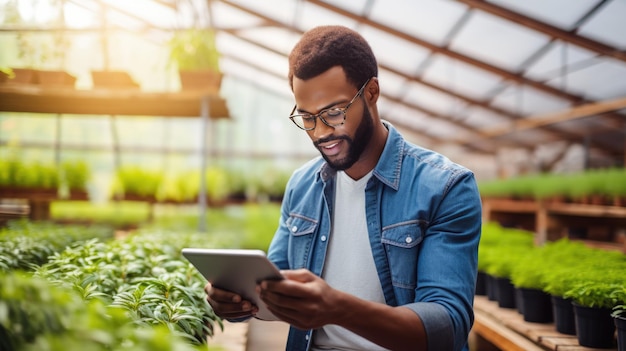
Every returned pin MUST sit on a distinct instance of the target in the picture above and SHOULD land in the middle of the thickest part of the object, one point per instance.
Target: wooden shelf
(39, 199)
(506, 329)
(37, 99)
(111, 102)
(551, 221)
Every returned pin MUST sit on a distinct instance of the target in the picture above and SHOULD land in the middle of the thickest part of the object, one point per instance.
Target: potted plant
(132, 183)
(560, 278)
(593, 302)
(526, 276)
(619, 316)
(195, 54)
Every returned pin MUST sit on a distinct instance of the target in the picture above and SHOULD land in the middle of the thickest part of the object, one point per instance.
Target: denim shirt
(424, 221)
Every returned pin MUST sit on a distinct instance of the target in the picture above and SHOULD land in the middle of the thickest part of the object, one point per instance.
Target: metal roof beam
(552, 31)
(515, 77)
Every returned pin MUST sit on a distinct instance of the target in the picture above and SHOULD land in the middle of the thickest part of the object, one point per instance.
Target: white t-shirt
(349, 264)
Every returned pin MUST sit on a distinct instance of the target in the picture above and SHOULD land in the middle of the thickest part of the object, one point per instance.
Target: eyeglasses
(331, 117)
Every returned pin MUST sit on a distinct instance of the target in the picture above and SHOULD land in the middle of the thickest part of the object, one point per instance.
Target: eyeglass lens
(332, 117)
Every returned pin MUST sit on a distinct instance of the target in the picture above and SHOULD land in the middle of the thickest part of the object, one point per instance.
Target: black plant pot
(537, 306)
(505, 293)
(491, 288)
(481, 284)
(519, 301)
(563, 315)
(620, 324)
(594, 326)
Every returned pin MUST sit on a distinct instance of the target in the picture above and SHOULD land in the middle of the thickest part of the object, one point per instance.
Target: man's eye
(334, 113)
(308, 118)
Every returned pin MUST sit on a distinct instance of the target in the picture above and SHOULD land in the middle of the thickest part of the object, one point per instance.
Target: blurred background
(498, 86)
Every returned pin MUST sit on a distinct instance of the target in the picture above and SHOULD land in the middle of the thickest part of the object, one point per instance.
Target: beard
(356, 146)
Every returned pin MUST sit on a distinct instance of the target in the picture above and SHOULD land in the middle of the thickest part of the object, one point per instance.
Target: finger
(288, 287)
(218, 294)
(233, 310)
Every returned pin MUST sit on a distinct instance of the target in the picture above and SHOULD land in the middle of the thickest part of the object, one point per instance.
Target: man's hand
(228, 305)
(302, 299)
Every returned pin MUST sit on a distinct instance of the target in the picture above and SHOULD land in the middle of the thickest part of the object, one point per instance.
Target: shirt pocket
(401, 241)
(301, 233)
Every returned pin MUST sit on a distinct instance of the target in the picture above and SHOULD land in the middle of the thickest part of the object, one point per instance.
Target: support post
(202, 196)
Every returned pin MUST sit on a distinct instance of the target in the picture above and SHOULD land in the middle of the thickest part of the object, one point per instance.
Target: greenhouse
(477, 147)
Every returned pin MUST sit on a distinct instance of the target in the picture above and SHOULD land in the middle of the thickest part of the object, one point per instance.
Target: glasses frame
(342, 110)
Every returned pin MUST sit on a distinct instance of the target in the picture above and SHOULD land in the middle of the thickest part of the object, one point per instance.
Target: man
(377, 238)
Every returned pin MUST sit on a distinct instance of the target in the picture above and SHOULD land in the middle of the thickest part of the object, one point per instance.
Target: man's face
(354, 146)
(341, 146)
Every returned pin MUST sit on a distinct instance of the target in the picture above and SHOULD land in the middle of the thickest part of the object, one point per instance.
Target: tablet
(235, 270)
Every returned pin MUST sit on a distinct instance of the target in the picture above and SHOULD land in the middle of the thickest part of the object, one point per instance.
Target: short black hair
(324, 47)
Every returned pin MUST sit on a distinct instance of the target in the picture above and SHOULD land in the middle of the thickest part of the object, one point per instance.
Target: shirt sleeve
(447, 265)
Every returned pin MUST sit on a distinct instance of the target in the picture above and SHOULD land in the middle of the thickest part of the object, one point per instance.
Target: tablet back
(235, 270)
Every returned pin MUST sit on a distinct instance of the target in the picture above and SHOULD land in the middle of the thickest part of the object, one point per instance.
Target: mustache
(329, 139)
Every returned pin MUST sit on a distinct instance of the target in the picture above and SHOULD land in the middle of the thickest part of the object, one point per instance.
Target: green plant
(593, 294)
(217, 184)
(69, 176)
(75, 175)
(26, 245)
(606, 182)
(194, 49)
(500, 248)
(131, 180)
(119, 214)
(529, 269)
(144, 275)
(39, 316)
(619, 296)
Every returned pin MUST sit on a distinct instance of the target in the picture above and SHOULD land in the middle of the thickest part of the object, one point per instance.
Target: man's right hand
(228, 305)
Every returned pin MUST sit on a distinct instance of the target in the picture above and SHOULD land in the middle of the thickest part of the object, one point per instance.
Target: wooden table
(506, 329)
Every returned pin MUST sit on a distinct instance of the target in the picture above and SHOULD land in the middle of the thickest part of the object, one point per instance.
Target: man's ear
(372, 91)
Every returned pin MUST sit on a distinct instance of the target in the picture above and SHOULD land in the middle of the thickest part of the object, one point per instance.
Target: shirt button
(408, 239)
(323, 238)
(294, 229)
(307, 337)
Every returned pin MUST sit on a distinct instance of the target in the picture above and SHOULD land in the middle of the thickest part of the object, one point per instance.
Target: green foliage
(500, 248)
(26, 245)
(75, 175)
(619, 295)
(144, 275)
(70, 175)
(132, 180)
(38, 316)
(608, 182)
(183, 187)
(119, 214)
(593, 294)
(221, 183)
(217, 184)
(590, 277)
(194, 49)
(528, 270)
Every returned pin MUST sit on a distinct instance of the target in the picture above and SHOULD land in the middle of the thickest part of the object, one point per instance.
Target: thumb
(300, 275)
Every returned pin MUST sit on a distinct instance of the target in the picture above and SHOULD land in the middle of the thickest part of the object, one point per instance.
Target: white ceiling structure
(472, 76)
